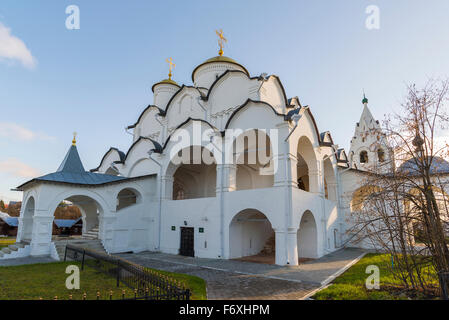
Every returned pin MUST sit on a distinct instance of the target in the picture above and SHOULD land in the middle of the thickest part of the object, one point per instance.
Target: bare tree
(402, 206)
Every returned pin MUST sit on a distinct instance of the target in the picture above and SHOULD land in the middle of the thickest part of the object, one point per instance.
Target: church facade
(225, 168)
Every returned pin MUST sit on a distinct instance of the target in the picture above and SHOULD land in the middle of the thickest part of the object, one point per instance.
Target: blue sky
(97, 80)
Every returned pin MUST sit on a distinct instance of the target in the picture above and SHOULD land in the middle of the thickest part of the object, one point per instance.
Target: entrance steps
(16, 250)
(93, 244)
(270, 246)
(91, 234)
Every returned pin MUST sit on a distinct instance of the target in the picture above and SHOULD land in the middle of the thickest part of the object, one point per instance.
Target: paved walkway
(232, 279)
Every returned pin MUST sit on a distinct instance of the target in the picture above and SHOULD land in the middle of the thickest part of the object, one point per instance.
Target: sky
(97, 79)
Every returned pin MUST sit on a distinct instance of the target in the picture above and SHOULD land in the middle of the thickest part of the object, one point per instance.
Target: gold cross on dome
(221, 39)
(171, 66)
(74, 139)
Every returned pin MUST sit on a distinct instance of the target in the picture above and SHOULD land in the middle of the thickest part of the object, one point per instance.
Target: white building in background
(291, 201)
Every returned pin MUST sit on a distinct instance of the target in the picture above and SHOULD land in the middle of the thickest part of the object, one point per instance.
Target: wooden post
(118, 274)
(82, 263)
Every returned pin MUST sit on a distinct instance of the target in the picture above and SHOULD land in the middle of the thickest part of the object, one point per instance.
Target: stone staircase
(270, 246)
(94, 244)
(11, 250)
(92, 234)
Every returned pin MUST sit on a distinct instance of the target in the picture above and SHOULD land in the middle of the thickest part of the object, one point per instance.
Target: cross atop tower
(171, 66)
(221, 39)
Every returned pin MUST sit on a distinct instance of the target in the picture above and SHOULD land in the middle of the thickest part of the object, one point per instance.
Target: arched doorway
(306, 166)
(27, 219)
(360, 197)
(252, 237)
(127, 197)
(194, 173)
(84, 210)
(253, 156)
(330, 182)
(307, 237)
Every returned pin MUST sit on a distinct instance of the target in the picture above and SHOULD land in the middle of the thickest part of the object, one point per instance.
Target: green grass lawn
(351, 284)
(47, 280)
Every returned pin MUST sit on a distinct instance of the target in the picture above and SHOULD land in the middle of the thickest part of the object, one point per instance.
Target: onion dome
(168, 81)
(165, 89)
(418, 141)
(208, 71)
(365, 99)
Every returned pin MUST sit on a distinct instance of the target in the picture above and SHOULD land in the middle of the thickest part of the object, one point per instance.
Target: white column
(167, 187)
(316, 182)
(332, 191)
(292, 249)
(106, 232)
(42, 232)
(281, 258)
(229, 177)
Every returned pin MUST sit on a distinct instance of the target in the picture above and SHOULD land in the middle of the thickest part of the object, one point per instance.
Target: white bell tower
(369, 147)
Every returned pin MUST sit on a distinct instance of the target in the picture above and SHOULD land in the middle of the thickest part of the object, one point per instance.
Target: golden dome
(219, 59)
(165, 81)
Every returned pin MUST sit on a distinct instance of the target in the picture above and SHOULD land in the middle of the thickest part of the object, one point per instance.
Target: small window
(381, 155)
(363, 157)
(126, 198)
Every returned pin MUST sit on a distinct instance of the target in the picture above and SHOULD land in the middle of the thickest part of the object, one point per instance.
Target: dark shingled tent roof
(71, 171)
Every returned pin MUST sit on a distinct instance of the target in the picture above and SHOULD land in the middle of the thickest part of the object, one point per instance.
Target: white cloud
(13, 48)
(16, 168)
(16, 132)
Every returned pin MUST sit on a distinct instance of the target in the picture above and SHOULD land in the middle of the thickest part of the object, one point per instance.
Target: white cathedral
(286, 191)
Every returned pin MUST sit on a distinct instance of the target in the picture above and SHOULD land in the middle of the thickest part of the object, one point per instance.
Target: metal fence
(147, 284)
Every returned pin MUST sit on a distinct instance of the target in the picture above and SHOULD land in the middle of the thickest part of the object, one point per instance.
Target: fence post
(118, 273)
(82, 263)
(65, 253)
